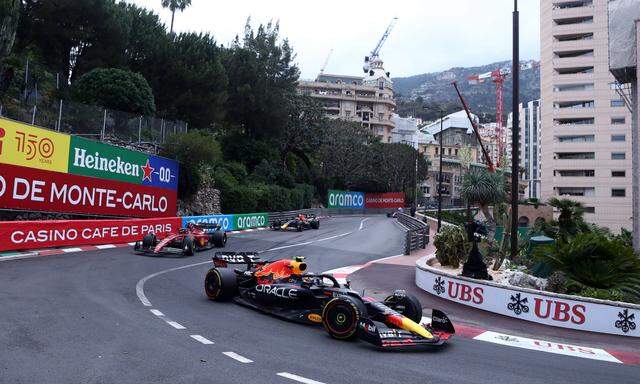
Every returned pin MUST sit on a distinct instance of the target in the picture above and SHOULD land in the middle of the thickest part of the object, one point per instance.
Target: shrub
(557, 282)
(591, 260)
(452, 246)
(603, 294)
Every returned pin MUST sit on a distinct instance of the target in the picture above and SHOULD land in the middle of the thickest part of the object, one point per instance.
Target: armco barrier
(417, 236)
(548, 308)
(55, 233)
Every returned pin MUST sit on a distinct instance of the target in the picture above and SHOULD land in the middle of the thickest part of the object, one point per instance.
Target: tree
(115, 89)
(570, 218)
(9, 16)
(175, 5)
(484, 188)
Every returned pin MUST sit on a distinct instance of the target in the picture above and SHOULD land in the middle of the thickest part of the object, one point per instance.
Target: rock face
(523, 280)
(205, 202)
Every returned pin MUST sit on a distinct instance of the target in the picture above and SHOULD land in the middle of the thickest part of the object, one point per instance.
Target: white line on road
(176, 325)
(201, 339)
(334, 237)
(237, 357)
(140, 285)
(71, 250)
(156, 312)
(297, 378)
(362, 223)
(105, 246)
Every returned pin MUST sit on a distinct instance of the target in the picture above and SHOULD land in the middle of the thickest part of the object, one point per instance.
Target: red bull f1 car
(299, 223)
(195, 237)
(285, 289)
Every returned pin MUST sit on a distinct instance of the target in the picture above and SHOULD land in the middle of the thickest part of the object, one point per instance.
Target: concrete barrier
(565, 311)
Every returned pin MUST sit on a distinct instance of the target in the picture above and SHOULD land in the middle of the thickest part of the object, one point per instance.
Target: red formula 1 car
(285, 289)
(194, 237)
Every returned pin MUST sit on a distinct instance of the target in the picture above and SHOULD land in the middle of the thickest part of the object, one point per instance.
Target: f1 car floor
(79, 318)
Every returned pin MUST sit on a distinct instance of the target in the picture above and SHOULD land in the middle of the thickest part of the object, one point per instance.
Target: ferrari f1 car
(299, 223)
(195, 237)
(285, 289)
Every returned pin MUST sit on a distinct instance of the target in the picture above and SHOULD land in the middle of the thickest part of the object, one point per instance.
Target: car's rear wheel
(188, 246)
(149, 240)
(315, 224)
(341, 315)
(218, 238)
(220, 284)
(407, 305)
(299, 227)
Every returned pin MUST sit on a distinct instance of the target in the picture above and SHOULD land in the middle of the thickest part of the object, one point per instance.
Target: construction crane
(326, 61)
(498, 77)
(373, 56)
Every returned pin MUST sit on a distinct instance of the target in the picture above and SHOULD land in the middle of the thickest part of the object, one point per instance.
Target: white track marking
(297, 378)
(176, 325)
(362, 223)
(156, 312)
(105, 246)
(132, 244)
(333, 237)
(201, 339)
(71, 250)
(545, 346)
(140, 285)
(237, 357)
(288, 246)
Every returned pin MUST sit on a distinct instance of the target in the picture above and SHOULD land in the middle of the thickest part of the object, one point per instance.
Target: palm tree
(570, 217)
(484, 188)
(175, 5)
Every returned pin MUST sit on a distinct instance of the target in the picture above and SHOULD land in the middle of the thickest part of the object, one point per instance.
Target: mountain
(423, 95)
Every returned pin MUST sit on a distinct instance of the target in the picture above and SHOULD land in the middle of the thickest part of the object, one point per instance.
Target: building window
(573, 87)
(589, 209)
(347, 113)
(618, 173)
(574, 20)
(576, 138)
(575, 156)
(617, 103)
(617, 156)
(574, 104)
(575, 173)
(576, 191)
(617, 137)
(574, 70)
(572, 54)
(618, 192)
(618, 120)
(574, 121)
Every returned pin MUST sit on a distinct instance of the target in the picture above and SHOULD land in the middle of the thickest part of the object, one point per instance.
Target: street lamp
(440, 176)
(516, 131)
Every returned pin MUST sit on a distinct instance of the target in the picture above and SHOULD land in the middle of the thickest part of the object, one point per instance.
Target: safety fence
(417, 236)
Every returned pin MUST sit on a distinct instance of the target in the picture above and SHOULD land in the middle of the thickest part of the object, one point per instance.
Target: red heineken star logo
(148, 170)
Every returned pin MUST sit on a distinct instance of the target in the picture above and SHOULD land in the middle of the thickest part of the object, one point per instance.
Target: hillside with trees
(251, 135)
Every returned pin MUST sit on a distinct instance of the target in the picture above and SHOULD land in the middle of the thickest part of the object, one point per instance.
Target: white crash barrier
(548, 308)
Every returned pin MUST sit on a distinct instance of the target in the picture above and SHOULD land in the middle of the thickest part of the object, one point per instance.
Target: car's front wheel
(188, 246)
(407, 305)
(341, 316)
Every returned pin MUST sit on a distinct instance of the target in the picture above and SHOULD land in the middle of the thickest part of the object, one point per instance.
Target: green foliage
(452, 247)
(591, 260)
(557, 282)
(604, 294)
(115, 89)
(457, 217)
(483, 188)
(9, 16)
(570, 219)
(193, 150)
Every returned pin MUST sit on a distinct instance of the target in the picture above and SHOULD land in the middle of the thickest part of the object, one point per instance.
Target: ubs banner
(42, 170)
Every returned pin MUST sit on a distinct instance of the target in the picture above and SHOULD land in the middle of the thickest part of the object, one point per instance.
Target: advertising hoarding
(384, 200)
(345, 199)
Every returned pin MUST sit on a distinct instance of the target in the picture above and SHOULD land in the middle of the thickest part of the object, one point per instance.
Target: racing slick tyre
(408, 306)
(220, 284)
(315, 224)
(218, 239)
(188, 246)
(299, 227)
(149, 240)
(341, 316)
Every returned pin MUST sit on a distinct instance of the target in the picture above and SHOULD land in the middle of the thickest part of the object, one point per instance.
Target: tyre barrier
(549, 308)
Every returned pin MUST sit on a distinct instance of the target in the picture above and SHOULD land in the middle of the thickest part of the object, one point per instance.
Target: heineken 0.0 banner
(43, 170)
(345, 199)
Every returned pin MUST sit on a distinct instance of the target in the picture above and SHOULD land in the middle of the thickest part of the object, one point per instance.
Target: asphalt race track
(78, 318)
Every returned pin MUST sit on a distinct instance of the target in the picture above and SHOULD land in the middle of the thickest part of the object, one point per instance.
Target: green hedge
(256, 197)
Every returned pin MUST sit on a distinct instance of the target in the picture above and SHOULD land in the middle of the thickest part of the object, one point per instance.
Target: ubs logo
(31, 146)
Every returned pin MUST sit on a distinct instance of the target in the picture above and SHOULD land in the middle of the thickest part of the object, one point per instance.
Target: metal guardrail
(417, 236)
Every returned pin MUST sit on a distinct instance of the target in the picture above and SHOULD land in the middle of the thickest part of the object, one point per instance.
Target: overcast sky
(429, 36)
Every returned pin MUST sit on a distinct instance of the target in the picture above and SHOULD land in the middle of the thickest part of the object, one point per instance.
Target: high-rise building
(530, 142)
(586, 135)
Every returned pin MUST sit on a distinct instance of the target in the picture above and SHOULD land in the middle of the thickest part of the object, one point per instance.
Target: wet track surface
(77, 319)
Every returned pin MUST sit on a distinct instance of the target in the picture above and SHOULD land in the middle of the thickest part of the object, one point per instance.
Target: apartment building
(366, 100)
(530, 143)
(585, 133)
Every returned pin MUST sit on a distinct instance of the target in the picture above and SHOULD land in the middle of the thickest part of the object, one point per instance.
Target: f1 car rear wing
(223, 259)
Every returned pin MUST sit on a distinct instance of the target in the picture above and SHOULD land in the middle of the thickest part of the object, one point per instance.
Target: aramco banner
(42, 170)
(360, 200)
(345, 199)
